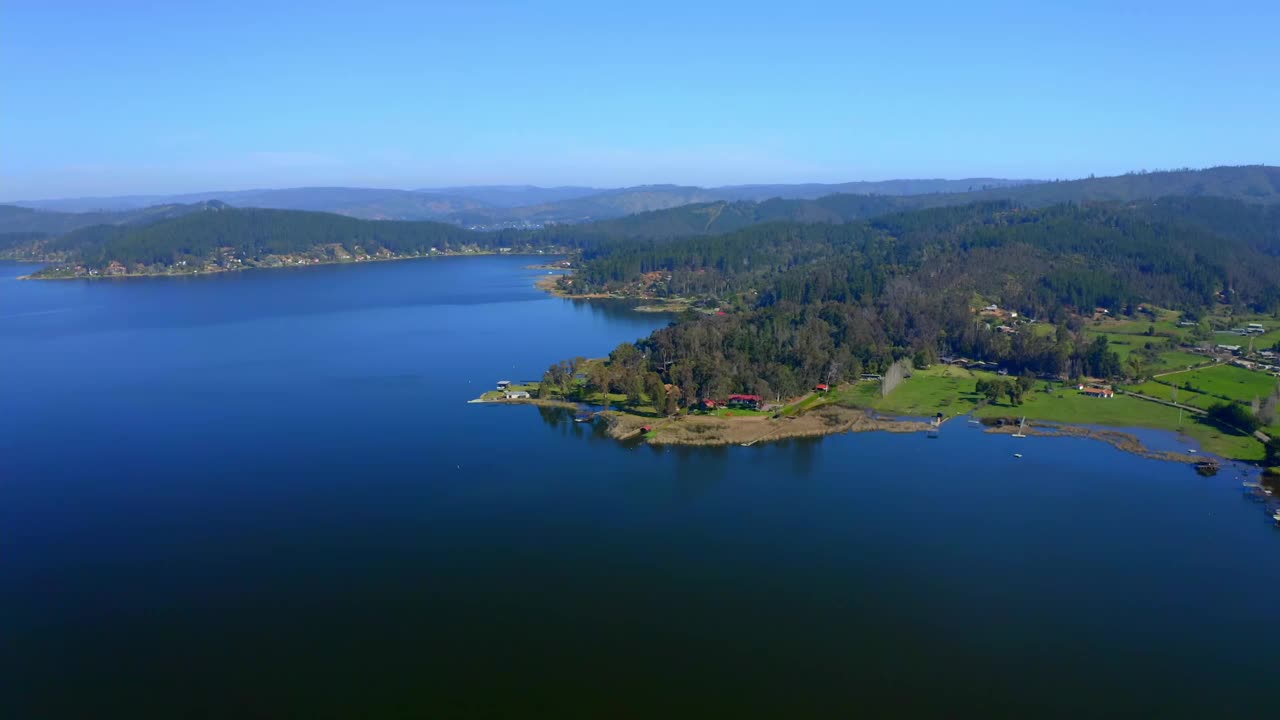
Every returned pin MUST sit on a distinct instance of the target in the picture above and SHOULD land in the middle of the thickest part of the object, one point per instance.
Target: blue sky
(117, 97)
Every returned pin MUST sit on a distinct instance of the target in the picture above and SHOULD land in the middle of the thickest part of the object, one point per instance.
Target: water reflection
(622, 310)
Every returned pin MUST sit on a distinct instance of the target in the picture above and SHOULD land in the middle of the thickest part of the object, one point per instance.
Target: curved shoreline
(748, 430)
(203, 272)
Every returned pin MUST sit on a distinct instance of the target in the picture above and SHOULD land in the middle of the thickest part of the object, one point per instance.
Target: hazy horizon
(543, 186)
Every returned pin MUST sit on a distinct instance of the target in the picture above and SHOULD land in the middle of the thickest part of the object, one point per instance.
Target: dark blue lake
(264, 495)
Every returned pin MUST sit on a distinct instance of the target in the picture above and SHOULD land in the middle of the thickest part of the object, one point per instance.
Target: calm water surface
(263, 495)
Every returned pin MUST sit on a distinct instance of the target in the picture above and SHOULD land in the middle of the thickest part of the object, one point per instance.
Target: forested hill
(1248, 183)
(1258, 184)
(1178, 252)
(15, 219)
(224, 237)
(721, 217)
(823, 303)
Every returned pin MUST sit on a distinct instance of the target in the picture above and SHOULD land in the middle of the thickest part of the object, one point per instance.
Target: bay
(263, 494)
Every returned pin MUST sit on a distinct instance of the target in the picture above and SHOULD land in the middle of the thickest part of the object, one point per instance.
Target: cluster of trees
(1234, 416)
(1014, 388)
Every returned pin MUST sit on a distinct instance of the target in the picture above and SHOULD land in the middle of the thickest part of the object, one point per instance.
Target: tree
(1233, 417)
(599, 378)
(1137, 369)
(1026, 381)
(654, 389)
(1272, 452)
(672, 404)
(1268, 415)
(991, 389)
(556, 380)
(1014, 391)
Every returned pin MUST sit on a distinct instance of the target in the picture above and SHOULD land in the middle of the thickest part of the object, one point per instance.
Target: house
(991, 308)
(1255, 328)
(749, 402)
(821, 387)
(1096, 392)
(516, 395)
(871, 376)
(504, 384)
(1233, 349)
(708, 404)
(1006, 329)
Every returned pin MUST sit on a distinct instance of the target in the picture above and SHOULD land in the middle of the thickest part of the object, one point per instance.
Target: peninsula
(1158, 315)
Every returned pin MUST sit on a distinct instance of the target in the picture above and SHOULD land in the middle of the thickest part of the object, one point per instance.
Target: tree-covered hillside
(1251, 184)
(221, 234)
(1176, 252)
(14, 219)
(823, 303)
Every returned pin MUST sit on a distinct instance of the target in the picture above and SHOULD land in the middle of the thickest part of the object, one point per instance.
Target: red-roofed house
(821, 387)
(1097, 392)
(751, 402)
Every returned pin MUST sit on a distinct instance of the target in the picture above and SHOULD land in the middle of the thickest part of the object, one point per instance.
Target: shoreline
(749, 430)
(541, 402)
(243, 268)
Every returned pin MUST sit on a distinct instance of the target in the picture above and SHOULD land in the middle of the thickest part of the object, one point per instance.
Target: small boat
(1017, 455)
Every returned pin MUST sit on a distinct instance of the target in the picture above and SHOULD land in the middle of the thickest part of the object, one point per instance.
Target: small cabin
(504, 384)
(708, 404)
(516, 395)
(821, 387)
(748, 402)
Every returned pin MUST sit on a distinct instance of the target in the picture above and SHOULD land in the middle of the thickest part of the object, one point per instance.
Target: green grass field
(1069, 406)
(940, 389)
(1176, 360)
(1184, 396)
(1226, 380)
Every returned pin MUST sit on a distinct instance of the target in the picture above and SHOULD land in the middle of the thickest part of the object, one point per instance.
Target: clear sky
(109, 97)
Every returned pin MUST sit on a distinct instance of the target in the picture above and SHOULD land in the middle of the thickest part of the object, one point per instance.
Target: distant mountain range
(1259, 184)
(652, 210)
(162, 235)
(498, 206)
